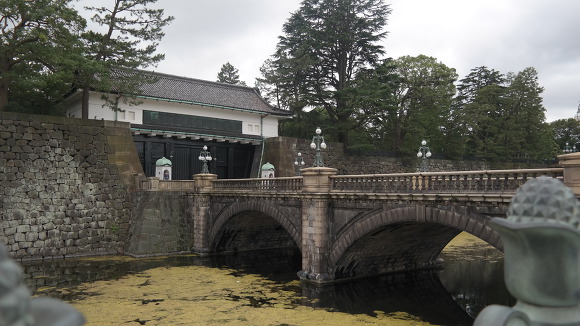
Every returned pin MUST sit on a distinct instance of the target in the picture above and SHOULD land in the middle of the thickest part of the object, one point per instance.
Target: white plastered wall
(252, 123)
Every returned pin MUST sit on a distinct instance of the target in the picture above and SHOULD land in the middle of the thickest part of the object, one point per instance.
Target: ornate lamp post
(318, 144)
(299, 163)
(569, 149)
(204, 157)
(424, 153)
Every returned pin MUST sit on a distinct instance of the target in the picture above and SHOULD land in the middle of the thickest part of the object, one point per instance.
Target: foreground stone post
(571, 165)
(541, 238)
(315, 248)
(17, 308)
(202, 211)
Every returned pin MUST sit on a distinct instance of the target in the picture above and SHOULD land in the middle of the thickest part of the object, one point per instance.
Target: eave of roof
(166, 132)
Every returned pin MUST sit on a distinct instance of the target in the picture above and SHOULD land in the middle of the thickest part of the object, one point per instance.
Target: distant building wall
(65, 185)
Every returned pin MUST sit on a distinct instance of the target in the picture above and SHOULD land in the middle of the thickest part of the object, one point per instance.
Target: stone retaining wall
(64, 185)
(282, 151)
(160, 223)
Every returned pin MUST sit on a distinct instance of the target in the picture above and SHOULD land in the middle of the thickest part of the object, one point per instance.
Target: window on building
(121, 115)
(131, 115)
(250, 128)
(257, 128)
(191, 121)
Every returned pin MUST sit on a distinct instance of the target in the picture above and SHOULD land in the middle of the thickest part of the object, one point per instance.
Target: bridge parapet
(154, 184)
(488, 181)
(286, 184)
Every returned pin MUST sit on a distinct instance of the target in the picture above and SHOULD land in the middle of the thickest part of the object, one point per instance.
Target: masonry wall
(161, 223)
(65, 185)
(282, 151)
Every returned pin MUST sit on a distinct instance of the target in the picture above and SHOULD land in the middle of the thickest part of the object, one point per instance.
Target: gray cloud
(506, 35)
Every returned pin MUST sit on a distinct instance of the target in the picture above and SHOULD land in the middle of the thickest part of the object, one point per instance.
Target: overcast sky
(505, 35)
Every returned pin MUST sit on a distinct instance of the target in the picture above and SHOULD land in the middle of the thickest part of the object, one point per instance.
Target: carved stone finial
(541, 238)
(544, 199)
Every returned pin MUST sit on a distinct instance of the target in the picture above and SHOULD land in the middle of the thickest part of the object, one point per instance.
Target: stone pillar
(153, 184)
(315, 237)
(571, 165)
(201, 211)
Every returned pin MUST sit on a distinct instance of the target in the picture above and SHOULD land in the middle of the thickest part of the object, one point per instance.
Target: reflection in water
(453, 296)
(419, 294)
(474, 278)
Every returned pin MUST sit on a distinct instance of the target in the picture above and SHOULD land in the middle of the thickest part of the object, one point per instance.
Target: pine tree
(133, 32)
(39, 46)
(230, 75)
(325, 43)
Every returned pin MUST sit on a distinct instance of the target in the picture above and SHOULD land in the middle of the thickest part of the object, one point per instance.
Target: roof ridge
(185, 78)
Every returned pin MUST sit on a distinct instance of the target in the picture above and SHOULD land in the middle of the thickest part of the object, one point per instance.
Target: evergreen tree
(525, 133)
(132, 34)
(566, 131)
(39, 46)
(502, 116)
(230, 75)
(477, 108)
(325, 43)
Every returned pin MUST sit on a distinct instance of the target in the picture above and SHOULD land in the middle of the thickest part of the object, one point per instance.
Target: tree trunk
(3, 93)
(85, 103)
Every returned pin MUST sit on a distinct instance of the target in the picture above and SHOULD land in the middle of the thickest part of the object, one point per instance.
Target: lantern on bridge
(163, 169)
(268, 170)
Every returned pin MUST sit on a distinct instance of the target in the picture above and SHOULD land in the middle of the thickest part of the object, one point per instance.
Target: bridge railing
(154, 184)
(490, 181)
(284, 184)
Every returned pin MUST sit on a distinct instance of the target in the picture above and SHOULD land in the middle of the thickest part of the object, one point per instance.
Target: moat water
(470, 279)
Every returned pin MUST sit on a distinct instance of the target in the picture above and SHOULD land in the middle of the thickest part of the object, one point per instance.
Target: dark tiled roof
(196, 91)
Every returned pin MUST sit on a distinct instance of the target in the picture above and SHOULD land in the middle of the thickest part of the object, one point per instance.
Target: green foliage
(423, 99)
(305, 125)
(39, 47)
(502, 117)
(230, 75)
(132, 34)
(46, 52)
(565, 131)
(324, 45)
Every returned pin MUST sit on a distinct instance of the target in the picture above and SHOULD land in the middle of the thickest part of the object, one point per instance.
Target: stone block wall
(160, 224)
(64, 185)
(282, 151)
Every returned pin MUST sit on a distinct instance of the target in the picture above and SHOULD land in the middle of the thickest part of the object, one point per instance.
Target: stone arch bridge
(349, 226)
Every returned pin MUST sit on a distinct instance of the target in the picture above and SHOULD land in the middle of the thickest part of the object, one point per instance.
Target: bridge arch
(256, 209)
(402, 238)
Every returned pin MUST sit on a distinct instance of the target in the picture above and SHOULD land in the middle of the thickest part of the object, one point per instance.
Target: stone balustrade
(488, 181)
(286, 184)
(491, 181)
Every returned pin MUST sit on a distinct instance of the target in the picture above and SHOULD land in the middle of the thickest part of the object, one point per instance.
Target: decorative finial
(544, 199)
